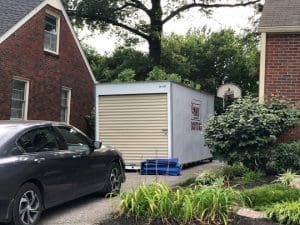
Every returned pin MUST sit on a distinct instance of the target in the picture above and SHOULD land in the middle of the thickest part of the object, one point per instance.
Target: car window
(38, 140)
(75, 141)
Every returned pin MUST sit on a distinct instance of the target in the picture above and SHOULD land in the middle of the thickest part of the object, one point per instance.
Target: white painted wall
(188, 144)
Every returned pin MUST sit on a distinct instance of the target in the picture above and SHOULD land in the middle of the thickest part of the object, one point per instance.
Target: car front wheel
(27, 206)
(113, 179)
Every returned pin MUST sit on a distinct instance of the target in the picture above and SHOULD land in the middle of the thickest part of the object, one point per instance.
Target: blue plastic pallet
(170, 167)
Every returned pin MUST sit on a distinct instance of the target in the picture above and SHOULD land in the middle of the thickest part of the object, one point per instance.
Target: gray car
(43, 164)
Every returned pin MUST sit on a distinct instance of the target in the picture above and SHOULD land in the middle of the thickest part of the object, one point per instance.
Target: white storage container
(146, 120)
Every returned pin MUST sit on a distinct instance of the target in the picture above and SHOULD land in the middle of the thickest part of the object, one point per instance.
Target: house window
(51, 41)
(19, 100)
(65, 105)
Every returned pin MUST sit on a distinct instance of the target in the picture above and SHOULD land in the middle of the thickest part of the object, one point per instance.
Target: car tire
(113, 179)
(27, 207)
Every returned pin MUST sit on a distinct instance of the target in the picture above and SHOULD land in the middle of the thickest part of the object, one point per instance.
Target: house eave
(280, 29)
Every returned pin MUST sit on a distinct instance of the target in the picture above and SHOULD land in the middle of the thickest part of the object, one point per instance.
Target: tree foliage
(213, 59)
(208, 59)
(247, 131)
(143, 18)
(127, 75)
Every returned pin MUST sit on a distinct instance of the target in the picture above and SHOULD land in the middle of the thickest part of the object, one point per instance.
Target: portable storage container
(148, 120)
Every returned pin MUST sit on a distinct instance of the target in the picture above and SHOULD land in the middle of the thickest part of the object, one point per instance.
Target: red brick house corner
(44, 74)
(280, 54)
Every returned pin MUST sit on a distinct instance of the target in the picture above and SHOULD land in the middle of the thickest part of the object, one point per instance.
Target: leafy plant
(207, 178)
(232, 171)
(252, 176)
(286, 213)
(287, 178)
(285, 157)
(209, 205)
(127, 75)
(260, 197)
(247, 130)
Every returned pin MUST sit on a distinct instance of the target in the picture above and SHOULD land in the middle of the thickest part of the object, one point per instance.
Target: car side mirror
(97, 144)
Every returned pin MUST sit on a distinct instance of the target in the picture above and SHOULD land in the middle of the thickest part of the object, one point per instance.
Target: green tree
(212, 59)
(127, 75)
(143, 18)
(159, 74)
(108, 67)
(97, 63)
(202, 58)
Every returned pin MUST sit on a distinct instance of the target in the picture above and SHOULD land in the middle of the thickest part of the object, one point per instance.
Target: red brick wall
(282, 78)
(283, 67)
(22, 55)
(290, 136)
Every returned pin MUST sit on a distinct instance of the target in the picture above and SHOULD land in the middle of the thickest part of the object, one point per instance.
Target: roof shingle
(12, 11)
(280, 13)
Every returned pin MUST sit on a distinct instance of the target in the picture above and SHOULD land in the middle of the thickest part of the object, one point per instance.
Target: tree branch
(128, 28)
(141, 6)
(204, 5)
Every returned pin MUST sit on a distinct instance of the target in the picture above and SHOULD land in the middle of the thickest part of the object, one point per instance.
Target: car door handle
(76, 156)
(39, 160)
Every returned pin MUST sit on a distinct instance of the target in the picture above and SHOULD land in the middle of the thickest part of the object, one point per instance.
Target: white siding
(188, 144)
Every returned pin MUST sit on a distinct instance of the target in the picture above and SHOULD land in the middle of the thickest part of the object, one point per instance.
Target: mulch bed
(123, 220)
(238, 184)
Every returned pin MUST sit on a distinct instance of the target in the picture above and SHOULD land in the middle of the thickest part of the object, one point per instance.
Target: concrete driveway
(94, 208)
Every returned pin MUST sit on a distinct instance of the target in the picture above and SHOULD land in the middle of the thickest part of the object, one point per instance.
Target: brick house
(280, 53)
(44, 74)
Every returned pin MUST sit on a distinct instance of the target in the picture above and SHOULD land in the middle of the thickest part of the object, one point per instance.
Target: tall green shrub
(286, 157)
(247, 130)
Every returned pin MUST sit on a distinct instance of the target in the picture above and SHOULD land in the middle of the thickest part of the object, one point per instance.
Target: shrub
(286, 157)
(207, 178)
(287, 178)
(263, 196)
(252, 176)
(247, 130)
(209, 205)
(232, 171)
(286, 213)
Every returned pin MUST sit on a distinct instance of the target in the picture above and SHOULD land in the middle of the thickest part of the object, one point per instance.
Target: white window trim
(69, 90)
(58, 32)
(262, 73)
(26, 97)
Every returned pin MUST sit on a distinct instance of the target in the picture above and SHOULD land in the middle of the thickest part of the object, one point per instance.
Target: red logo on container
(195, 120)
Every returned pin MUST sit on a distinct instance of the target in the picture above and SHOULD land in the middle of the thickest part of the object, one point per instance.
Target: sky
(235, 18)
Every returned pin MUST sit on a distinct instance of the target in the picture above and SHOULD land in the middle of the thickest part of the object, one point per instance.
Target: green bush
(209, 205)
(287, 178)
(252, 176)
(207, 178)
(286, 213)
(286, 157)
(232, 171)
(260, 197)
(247, 130)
